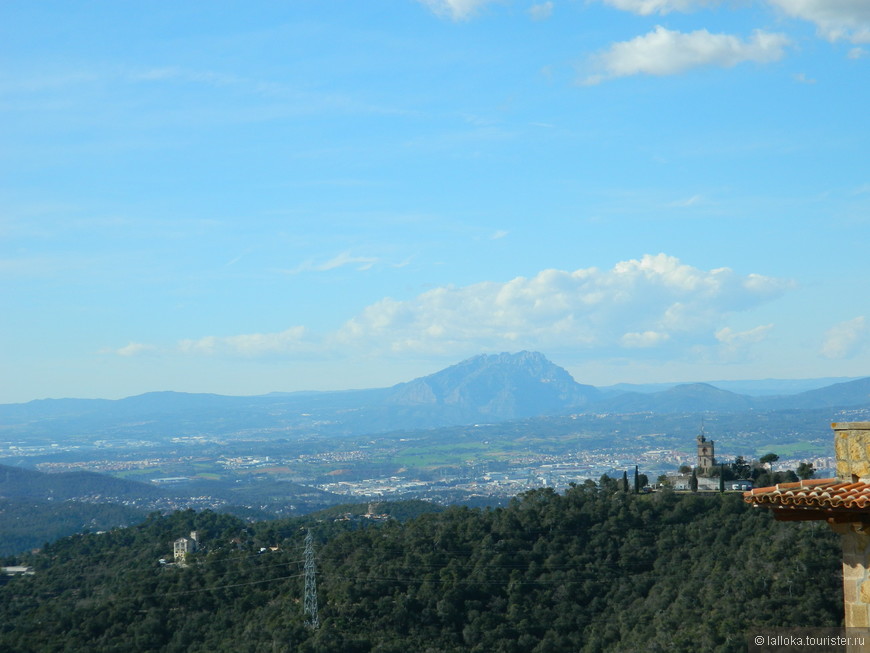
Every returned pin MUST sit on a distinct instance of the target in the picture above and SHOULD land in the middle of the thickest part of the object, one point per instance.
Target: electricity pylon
(309, 606)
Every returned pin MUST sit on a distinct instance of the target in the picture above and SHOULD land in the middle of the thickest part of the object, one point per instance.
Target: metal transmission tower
(309, 606)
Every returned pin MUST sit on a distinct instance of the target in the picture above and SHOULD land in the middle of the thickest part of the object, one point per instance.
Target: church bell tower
(706, 460)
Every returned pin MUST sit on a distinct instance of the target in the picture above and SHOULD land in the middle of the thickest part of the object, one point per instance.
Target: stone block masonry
(852, 446)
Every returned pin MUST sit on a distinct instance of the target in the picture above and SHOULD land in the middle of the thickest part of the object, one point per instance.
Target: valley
(275, 455)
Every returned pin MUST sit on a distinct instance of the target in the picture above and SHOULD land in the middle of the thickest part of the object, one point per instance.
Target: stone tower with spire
(706, 459)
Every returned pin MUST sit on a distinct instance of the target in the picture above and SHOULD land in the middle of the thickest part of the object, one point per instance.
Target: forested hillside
(30, 524)
(585, 571)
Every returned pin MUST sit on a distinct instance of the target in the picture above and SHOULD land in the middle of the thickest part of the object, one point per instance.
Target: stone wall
(856, 581)
(852, 447)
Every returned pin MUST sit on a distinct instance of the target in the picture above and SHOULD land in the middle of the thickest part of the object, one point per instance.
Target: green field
(790, 449)
(442, 455)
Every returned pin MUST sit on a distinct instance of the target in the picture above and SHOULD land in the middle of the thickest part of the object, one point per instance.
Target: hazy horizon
(754, 387)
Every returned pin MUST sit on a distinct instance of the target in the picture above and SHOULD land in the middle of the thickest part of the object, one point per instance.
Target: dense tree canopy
(29, 524)
(587, 570)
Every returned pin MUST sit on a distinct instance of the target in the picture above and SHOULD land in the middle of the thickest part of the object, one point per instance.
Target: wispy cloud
(845, 339)
(501, 233)
(251, 344)
(238, 258)
(667, 52)
(541, 11)
(54, 82)
(686, 202)
(286, 98)
(45, 266)
(212, 78)
(134, 349)
(362, 263)
(644, 340)
(735, 343)
(656, 304)
(455, 9)
(647, 7)
(835, 20)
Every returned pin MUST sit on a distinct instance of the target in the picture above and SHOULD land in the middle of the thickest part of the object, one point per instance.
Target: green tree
(766, 479)
(768, 458)
(693, 482)
(740, 468)
(805, 471)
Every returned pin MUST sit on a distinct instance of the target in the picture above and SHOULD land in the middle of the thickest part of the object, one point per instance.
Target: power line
(217, 587)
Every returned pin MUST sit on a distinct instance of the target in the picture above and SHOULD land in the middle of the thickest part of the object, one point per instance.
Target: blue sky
(272, 196)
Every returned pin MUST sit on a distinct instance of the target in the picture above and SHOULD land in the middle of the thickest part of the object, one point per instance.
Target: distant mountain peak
(698, 388)
(502, 386)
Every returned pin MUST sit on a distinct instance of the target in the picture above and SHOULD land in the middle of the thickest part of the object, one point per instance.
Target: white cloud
(667, 52)
(252, 344)
(497, 235)
(643, 340)
(363, 262)
(727, 335)
(541, 11)
(455, 9)
(345, 258)
(857, 53)
(638, 304)
(654, 304)
(803, 79)
(845, 339)
(134, 348)
(835, 19)
(647, 7)
(735, 343)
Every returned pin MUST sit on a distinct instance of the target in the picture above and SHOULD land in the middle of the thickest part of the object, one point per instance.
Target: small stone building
(844, 503)
(184, 545)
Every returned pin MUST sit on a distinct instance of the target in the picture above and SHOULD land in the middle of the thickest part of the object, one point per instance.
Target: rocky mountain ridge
(487, 388)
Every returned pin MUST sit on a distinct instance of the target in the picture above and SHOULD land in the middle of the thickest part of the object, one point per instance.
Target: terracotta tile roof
(824, 493)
